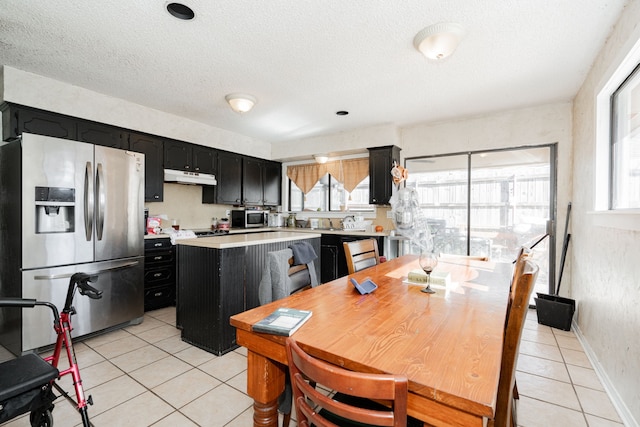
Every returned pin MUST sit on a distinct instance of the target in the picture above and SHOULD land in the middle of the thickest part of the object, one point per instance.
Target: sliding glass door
(491, 203)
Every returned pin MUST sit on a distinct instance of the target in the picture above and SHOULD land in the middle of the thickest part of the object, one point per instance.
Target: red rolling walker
(27, 383)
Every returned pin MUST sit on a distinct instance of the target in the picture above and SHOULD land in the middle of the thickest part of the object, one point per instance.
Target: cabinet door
(177, 155)
(329, 266)
(272, 183)
(152, 148)
(252, 181)
(18, 119)
(380, 183)
(229, 188)
(101, 134)
(205, 159)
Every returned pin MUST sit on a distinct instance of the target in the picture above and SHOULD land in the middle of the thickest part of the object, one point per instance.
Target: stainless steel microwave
(248, 218)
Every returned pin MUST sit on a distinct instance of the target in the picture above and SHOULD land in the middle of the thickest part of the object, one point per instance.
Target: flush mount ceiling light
(240, 102)
(321, 158)
(439, 40)
(180, 11)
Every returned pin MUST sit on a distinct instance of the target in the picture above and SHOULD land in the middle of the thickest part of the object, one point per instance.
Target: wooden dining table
(448, 344)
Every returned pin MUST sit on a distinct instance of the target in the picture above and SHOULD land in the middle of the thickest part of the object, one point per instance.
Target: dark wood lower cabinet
(159, 274)
(215, 284)
(334, 263)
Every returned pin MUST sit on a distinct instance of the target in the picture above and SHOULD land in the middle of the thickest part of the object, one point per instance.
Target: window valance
(349, 172)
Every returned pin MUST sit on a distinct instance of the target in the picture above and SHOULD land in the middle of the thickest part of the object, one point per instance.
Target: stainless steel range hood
(193, 178)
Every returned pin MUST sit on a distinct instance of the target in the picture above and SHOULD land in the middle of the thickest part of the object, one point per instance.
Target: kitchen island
(219, 277)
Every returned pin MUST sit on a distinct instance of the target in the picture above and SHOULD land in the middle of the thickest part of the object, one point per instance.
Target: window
(329, 195)
(490, 204)
(624, 154)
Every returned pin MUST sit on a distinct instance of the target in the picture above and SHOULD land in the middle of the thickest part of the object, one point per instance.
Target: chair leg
(514, 417)
(286, 419)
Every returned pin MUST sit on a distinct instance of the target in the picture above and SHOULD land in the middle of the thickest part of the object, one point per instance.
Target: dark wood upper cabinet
(272, 183)
(177, 155)
(183, 156)
(252, 181)
(101, 134)
(244, 180)
(380, 163)
(229, 177)
(152, 148)
(17, 119)
(205, 159)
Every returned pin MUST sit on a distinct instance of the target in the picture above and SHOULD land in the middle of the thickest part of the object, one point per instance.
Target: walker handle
(17, 302)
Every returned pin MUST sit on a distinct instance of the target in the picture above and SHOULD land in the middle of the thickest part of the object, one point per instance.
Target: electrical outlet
(390, 214)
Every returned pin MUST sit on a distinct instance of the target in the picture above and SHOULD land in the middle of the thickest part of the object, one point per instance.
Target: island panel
(214, 283)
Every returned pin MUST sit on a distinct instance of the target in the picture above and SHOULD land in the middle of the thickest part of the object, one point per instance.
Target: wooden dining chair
(522, 287)
(300, 280)
(361, 254)
(519, 263)
(299, 276)
(303, 368)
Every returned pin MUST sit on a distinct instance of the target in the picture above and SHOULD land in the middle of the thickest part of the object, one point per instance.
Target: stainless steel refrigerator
(65, 207)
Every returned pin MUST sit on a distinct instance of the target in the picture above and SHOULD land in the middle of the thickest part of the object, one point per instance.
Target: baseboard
(618, 403)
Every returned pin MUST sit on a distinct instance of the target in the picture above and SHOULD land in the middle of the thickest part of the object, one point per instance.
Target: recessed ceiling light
(180, 11)
(342, 113)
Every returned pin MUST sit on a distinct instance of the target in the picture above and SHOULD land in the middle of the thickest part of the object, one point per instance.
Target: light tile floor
(145, 375)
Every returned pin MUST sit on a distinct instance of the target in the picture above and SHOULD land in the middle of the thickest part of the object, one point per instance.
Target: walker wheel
(41, 418)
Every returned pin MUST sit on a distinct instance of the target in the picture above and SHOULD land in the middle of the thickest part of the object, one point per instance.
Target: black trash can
(555, 311)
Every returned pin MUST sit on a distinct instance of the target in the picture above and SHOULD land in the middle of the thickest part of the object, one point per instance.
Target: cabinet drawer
(158, 258)
(157, 276)
(157, 244)
(158, 297)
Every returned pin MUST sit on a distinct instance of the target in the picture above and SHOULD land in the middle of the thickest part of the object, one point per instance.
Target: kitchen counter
(219, 276)
(247, 239)
(314, 231)
(240, 231)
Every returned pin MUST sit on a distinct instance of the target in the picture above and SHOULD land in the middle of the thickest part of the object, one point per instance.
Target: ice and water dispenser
(55, 210)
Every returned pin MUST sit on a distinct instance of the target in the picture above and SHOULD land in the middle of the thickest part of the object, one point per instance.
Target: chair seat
(24, 373)
(360, 402)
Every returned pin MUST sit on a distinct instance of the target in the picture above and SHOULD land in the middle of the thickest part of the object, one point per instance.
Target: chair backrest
(299, 276)
(522, 286)
(303, 368)
(472, 257)
(361, 254)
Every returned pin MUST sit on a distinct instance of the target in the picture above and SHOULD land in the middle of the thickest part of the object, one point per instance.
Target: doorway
(490, 203)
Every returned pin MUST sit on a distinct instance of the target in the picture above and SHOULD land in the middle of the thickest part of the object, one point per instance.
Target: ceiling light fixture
(321, 158)
(240, 102)
(439, 40)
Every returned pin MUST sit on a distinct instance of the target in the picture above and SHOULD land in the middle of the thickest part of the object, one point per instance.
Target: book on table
(283, 321)
(437, 277)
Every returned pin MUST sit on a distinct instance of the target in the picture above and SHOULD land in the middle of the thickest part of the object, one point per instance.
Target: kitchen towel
(303, 253)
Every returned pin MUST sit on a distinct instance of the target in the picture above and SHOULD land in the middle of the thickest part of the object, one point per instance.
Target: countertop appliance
(66, 207)
(276, 219)
(248, 218)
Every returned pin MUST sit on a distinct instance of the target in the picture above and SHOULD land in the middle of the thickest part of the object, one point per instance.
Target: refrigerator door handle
(91, 273)
(101, 201)
(89, 201)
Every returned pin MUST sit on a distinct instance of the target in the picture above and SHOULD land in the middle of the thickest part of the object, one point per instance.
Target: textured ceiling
(306, 59)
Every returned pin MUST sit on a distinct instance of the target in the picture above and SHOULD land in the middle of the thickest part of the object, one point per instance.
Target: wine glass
(428, 261)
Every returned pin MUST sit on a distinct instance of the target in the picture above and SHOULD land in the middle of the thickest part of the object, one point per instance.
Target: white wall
(356, 141)
(606, 268)
(41, 92)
